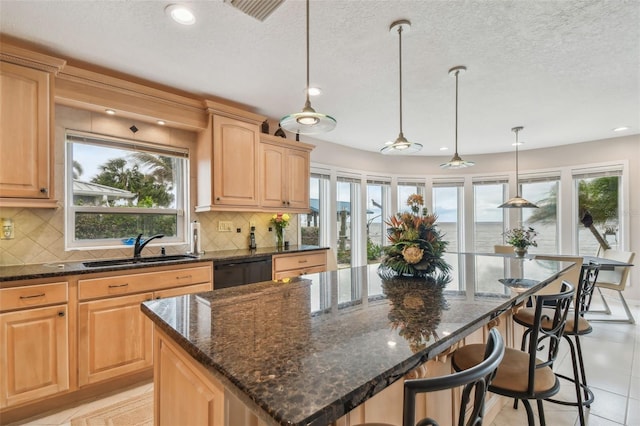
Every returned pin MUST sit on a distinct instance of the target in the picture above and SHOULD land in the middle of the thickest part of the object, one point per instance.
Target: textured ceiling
(568, 71)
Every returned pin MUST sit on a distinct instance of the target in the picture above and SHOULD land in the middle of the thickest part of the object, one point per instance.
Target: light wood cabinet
(26, 128)
(296, 264)
(34, 343)
(284, 171)
(228, 160)
(184, 394)
(114, 336)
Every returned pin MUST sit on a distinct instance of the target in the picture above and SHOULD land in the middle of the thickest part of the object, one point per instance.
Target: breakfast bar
(315, 349)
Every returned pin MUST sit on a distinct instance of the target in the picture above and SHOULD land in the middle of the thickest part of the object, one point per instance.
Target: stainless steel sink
(131, 261)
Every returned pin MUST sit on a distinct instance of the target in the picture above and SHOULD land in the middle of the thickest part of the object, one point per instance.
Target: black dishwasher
(235, 272)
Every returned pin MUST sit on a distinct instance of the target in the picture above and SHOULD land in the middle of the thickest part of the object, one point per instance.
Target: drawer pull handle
(32, 296)
(303, 261)
(118, 285)
(61, 314)
(183, 277)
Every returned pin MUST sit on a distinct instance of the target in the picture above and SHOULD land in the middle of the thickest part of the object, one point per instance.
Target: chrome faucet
(139, 245)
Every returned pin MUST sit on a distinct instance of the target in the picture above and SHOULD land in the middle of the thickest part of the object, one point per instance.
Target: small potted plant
(521, 238)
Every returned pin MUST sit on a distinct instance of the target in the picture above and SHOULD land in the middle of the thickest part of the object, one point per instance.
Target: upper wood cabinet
(284, 171)
(26, 128)
(228, 160)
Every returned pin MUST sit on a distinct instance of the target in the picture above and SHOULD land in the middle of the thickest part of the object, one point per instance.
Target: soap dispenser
(252, 238)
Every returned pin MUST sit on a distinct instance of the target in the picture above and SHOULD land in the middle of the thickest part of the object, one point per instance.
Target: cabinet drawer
(32, 296)
(181, 291)
(147, 281)
(299, 261)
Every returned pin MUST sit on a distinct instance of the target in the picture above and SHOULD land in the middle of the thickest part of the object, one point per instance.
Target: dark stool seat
(575, 327)
(526, 375)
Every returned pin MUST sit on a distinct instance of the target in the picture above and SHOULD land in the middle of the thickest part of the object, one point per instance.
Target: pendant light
(401, 145)
(308, 122)
(456, 162)
(517, 202)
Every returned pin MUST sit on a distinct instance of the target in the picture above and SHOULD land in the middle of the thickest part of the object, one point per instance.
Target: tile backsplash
(39, 233)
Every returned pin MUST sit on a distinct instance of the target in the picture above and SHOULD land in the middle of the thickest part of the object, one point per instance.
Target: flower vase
(520, 252)
(279, 237)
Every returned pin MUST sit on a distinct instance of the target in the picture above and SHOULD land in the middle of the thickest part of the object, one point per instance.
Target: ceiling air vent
(259, 9)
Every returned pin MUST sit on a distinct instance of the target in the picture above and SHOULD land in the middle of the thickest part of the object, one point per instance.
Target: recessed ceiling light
(161, 122)
(110, 111)
(315, 91)
(444, 148)
(517, 143)
(620, 129)
(181, 14)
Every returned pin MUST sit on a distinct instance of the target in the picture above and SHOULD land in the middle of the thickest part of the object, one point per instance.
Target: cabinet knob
(217, 198)
(284, 203)
(61, 314)
(44, 190)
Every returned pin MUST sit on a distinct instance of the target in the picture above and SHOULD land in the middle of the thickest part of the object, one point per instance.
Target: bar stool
(526, 375)
(575, 327)
(475, 379)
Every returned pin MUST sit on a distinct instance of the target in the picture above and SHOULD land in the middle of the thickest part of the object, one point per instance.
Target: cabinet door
(183, 394)
(235, 171)
(272, 170)
(25, 132)
(297, 179)
(114, 338)
(34, 354)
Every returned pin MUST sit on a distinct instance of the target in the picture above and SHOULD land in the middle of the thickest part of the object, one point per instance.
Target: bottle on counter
(252, 238)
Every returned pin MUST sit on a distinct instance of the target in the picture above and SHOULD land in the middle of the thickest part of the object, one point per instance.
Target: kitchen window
(119, 188)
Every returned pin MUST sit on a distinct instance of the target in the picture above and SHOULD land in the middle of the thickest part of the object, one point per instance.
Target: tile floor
(612, 358)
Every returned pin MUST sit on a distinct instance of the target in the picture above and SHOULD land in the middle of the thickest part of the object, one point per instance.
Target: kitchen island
(317, 349)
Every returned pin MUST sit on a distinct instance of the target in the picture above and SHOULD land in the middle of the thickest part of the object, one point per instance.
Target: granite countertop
(58, 269)
(308, 351)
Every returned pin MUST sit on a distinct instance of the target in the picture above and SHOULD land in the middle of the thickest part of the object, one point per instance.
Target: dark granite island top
(308, 351)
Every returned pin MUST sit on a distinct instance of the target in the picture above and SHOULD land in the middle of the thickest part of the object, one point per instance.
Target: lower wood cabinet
(114, 338)
(63, 341)
(188, 396)
(296, 264)
(34, 357)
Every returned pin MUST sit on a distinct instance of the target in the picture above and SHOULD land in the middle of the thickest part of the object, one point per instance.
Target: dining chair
(575, 327)
(528, 375)
(615, 279)
(572, 275)
(475, 381)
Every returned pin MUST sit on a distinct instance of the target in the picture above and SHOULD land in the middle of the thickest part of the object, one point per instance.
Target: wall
(39, 233)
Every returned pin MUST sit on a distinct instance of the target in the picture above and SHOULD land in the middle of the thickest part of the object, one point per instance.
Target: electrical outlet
(238, 230)
(225, 226)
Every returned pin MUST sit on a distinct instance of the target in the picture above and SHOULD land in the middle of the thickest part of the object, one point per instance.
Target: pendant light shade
(517, 202)
(308, 122)
(456, 162)
(401, 145)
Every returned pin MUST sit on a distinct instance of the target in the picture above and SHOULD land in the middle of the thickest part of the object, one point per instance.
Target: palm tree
(77, 169)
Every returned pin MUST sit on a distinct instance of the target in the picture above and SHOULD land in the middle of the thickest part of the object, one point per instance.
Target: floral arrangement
(280, 221)
(521, 237)
(417, 246)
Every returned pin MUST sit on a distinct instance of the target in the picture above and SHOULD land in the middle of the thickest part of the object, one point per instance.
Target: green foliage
(597, 196)
(91, 226)
(374, 251)
(521, 237)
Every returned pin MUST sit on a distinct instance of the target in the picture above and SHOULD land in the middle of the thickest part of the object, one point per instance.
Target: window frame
(181, 211)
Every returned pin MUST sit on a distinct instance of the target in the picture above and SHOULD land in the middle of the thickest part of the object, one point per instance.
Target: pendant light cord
(457, 72)
(400, 73)
(308, 102)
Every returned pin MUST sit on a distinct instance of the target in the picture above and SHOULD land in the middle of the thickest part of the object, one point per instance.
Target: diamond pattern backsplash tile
(39, 237)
